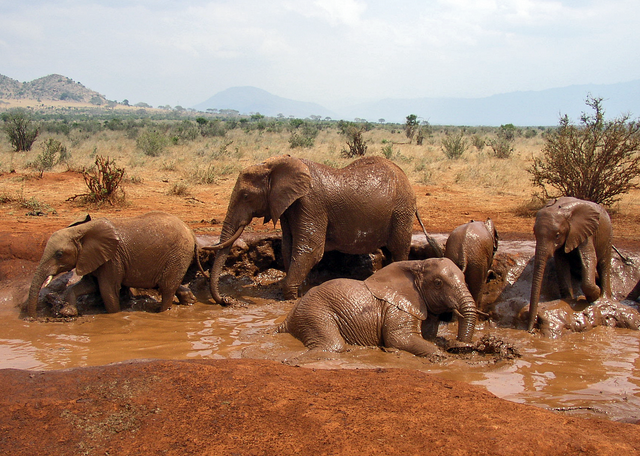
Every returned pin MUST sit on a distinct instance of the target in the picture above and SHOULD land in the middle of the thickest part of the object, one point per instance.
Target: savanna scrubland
(252, 406)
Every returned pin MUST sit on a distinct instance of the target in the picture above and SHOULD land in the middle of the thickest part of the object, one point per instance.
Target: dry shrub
(104, 183)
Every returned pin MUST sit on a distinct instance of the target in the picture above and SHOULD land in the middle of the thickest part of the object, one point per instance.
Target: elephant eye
(437, 283)
(58, 254)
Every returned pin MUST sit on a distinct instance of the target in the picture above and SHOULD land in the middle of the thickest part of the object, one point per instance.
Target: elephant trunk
(40, 276)
(467, 321)
(539, 265)
(221, 257)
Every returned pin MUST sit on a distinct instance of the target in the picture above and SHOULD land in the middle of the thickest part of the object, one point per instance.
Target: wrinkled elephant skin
(397, 307)
(153, 250)
(367, 205)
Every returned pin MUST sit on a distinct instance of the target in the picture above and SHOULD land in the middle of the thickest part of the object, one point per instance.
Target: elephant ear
(583, 222)
(491, 228)
(396, 284)
(98, 243)
(289, 180)
(80, 220)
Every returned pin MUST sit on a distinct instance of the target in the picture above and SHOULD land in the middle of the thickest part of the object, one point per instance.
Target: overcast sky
(331, 52)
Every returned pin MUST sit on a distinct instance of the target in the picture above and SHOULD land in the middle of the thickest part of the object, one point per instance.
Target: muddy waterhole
(592, 373)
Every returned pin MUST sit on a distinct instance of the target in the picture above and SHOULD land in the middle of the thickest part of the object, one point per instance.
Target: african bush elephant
(364, 206)
(148, 251)
(471, 247)
(398, 307)
(575, 232)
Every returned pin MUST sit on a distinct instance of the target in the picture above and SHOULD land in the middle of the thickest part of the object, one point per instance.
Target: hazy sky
(332, 52)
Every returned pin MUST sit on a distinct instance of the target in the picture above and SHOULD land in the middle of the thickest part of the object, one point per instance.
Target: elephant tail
(196, 253)
(435, 246)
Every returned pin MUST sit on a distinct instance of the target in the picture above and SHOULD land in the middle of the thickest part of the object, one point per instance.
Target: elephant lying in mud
(471, 247)
(397, 307)
(148, 251)
(578, 234)
(367, 205)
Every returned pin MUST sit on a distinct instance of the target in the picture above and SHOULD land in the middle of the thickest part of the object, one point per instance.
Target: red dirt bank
(262, 407)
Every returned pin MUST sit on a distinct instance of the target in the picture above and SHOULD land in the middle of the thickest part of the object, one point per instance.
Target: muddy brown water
(593, 373)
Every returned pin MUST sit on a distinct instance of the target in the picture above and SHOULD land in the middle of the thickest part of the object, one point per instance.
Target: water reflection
(596, 373)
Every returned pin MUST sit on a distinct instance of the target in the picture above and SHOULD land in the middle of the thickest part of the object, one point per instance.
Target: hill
(247, 100)
(54, 87)
(530, 108)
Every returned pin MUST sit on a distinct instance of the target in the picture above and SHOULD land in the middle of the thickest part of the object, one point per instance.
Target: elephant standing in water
(148, 251)
(471, 247)
(575, 232)
(397, 307)
(365, 206)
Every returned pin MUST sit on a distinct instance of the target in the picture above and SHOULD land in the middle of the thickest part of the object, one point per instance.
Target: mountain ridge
(524, 108)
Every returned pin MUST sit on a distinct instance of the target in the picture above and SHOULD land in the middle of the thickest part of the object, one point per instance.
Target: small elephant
(358, 209)
(575, 232)
(471, 247)
(148, 251)
(396, 307)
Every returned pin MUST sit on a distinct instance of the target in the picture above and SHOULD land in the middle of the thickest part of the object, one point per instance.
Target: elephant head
(263, 190)
(84, 245)
(564, 223)
(433, 286)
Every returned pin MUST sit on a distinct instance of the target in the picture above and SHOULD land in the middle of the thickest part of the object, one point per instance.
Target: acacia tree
(411, 126)
(20, 129)
(596, 161)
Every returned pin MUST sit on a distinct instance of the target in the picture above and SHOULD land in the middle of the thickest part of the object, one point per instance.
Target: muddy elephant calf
(471, 247)
(397, 307)
(153, 250)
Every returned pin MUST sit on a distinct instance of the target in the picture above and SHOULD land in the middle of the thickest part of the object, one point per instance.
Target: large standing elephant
(471, 247)
(396, 307)
(575, 232)
(367, 205)
(148, 251)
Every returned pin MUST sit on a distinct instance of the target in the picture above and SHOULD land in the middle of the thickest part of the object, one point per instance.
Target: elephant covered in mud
(362, 207)
(576, 233)
(396, 307)
(471, 247)
(153, 250)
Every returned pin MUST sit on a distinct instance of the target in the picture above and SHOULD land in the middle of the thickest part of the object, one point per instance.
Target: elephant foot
(290, 294)
(69, 311)
(460, 347)
(185, 296)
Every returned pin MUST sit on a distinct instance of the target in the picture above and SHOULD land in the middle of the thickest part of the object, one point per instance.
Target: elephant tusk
(458, 314)
(48, 281)
(228, 242)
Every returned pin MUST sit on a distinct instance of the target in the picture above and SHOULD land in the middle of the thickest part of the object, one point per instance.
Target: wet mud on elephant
(153, 250)
(367, 205)
(397, 307)
(578, 235)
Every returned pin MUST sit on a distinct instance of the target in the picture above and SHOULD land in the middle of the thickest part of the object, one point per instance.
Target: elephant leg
(110, 292)
(399, 243)
(475, 279)
(306, 252)
(429, 327)
(286, 243)
(185, 296)
(589, 287)
(402, 331)
(85, 286)
(563, 271)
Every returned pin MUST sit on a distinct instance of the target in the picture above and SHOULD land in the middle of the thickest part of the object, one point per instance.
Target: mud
(592, 372)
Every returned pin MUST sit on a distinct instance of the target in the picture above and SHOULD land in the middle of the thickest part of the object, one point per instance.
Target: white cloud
(169, 52)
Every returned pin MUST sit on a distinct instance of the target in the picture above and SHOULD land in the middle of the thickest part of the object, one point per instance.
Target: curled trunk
(221, 257)
(540, 263)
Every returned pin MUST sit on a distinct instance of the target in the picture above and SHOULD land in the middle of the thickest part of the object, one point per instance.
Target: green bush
(53, 152)
(20, 129)
(454, 146)
(596, 161)
(151, 143)
(355, 141)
